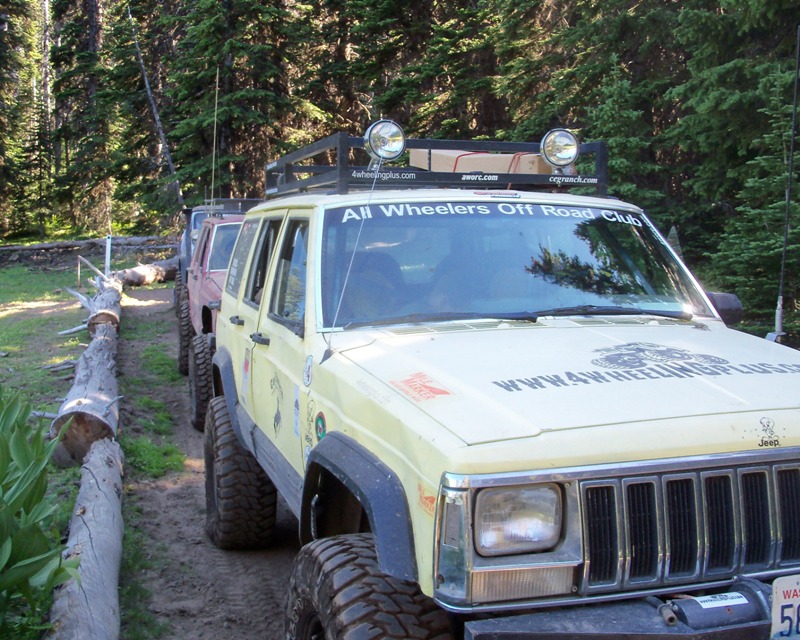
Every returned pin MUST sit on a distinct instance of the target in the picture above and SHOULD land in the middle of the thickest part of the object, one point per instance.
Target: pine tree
(224, 131)
(83, 121)
(17, 74)
(748, 259)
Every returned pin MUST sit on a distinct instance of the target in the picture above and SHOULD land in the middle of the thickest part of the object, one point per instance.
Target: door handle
(259, 338)
(237, 321)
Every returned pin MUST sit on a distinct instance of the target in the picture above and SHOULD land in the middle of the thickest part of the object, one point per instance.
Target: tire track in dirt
(199, 591)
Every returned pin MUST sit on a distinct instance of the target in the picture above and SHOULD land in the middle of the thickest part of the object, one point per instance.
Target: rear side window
(239, 258)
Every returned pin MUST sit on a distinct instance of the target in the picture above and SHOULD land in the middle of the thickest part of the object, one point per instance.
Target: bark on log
(92, 402)
(89, 609)
(144, 274)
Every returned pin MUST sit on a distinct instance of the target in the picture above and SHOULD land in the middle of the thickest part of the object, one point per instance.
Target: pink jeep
(197, 314)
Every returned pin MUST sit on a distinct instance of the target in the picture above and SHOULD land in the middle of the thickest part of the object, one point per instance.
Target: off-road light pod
(384, 140)
(560, 147)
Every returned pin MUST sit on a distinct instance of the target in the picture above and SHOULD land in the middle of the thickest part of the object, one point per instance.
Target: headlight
(517, 520)
(560, 147)
(384, 140)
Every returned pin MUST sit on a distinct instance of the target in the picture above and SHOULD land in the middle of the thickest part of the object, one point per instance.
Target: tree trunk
(92, 402)
(89, 608)
(93, 243)
(144, 274)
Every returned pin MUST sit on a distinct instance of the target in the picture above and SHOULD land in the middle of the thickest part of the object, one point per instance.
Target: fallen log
(92, 402)
(93, 243)
(105, 306)
(89, 607)
(145, 274)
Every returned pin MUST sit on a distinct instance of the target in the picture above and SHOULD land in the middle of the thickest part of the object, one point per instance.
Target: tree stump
(89, 608)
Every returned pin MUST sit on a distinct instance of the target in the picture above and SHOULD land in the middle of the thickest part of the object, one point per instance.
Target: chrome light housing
(517, 520)
(384, 140)
(560, 147)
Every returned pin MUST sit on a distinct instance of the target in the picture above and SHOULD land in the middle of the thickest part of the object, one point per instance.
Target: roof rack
(287, 174)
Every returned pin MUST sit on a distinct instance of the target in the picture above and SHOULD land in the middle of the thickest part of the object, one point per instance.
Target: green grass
(152, 459)
(161, 366)
(161, 422)
(21, 284)
(136, 621)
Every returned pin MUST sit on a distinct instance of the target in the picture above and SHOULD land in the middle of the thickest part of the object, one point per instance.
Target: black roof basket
(287, 174)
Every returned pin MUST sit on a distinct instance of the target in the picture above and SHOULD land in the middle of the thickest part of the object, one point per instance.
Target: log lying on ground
(92, 403)
(89, 608)
(91, 406)
(105, 306)
(93, 243)
(144, 274)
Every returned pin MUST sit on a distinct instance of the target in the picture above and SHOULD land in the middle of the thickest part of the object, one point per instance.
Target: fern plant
(30, 560)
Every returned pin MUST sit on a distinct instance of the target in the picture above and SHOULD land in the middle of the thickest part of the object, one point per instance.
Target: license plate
(786, 607)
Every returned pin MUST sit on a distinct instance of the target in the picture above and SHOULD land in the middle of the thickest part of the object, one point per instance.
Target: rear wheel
(185, 333)
(199, 380)
(241, 500)
(338, 591)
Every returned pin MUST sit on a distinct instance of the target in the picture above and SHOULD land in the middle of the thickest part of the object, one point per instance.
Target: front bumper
(746, 617)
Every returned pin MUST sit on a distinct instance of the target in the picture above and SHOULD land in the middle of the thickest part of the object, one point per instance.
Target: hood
(493, 381)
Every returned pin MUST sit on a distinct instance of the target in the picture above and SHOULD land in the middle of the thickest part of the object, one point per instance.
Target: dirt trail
(199, 591)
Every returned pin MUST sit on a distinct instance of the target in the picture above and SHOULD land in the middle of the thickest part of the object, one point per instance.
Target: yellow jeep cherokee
(497, 412)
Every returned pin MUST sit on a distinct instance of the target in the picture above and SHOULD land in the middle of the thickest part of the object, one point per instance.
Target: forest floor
(197, 591)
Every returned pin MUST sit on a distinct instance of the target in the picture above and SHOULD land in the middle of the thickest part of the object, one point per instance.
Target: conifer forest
(695, 99)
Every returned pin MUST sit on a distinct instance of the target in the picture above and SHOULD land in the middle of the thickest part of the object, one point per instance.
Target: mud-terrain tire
(337, 591)
(179, 293)
(241, 501)
(185, 334)
(199, 380)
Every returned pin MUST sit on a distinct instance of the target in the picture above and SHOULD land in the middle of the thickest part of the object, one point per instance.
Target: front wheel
(338, 591)
(241, 500)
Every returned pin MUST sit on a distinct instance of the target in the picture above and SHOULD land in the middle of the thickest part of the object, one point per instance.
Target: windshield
(445, 260)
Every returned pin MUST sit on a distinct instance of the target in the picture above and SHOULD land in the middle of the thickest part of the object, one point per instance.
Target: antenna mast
(779, 333)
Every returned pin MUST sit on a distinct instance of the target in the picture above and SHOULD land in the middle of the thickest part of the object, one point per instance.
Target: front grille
(676, 528)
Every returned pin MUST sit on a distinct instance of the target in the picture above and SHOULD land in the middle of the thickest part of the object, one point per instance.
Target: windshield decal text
(424, 209)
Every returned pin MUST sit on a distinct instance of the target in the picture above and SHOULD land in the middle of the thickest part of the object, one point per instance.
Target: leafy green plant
(30, 562)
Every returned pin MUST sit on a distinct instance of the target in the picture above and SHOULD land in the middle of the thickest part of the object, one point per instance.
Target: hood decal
(420, 387)
(644, 361)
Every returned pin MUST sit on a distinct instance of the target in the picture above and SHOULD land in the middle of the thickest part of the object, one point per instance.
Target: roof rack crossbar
(283, 175)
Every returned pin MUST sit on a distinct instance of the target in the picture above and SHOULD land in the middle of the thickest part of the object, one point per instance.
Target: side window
(289, 293)
(202, 242)
(258, 268)
(239, 258)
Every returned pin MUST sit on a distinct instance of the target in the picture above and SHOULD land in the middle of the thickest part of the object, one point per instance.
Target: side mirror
(728, 306)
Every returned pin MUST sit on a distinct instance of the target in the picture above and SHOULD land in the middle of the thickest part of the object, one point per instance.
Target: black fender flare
(379, 491)
(224, 384)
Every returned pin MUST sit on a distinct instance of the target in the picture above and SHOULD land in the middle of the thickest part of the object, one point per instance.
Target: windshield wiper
(610, 310)
(522, 316)
(441, 316)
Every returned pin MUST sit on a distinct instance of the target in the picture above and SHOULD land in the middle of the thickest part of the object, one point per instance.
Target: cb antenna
(779, 333)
